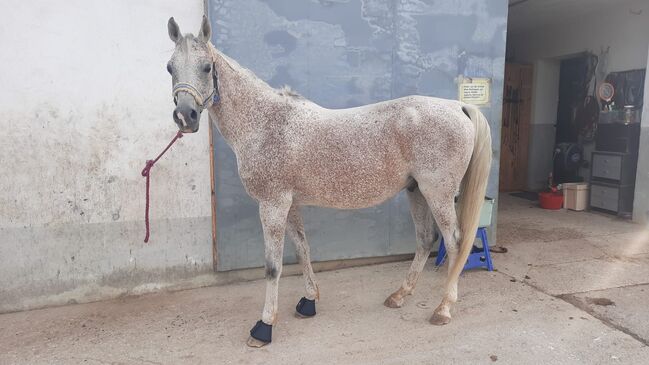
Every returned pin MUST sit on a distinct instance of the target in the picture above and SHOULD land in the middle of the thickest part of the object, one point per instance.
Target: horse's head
(192, 74)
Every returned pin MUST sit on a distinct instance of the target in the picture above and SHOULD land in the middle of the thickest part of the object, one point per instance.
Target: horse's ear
(174, 30)
(206, 30)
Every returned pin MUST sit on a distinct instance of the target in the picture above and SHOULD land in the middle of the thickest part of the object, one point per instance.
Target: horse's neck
(244, 99)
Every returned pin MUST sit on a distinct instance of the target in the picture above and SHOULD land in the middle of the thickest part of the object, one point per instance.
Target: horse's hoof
(260, 335)
(253, 342)
(439, 319)
(394, 301)
(302, 316)
(305, 308)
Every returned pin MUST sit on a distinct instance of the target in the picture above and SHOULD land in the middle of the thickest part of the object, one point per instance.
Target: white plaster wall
(545, 91)
(85, 100)
(545, 99)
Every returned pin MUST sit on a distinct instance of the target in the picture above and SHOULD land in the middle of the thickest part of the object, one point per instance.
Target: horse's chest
(262, 176)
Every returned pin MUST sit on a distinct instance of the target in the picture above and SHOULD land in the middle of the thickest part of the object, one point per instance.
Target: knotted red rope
(146, 172)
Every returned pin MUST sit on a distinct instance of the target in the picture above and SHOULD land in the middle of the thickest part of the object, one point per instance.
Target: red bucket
(550, 200)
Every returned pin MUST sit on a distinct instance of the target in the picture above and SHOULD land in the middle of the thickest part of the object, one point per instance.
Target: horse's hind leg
(295, 230)
(442, 205)
(273, 216)
(425, 232)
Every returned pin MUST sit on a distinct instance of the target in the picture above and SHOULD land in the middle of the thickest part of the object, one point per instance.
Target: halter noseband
(191, 90)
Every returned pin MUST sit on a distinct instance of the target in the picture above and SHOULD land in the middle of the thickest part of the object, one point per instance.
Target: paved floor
(573, 289)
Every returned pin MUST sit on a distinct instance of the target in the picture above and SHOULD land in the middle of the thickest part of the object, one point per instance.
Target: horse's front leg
(273, 216)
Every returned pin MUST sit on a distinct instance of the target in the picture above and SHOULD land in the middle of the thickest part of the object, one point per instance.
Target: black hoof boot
(306, 307)
(262, 332)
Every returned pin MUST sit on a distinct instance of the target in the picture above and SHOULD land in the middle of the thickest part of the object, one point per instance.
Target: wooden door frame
(213, 195)
(210, 128)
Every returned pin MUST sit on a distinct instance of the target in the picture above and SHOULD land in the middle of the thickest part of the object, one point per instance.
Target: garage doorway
(576, 134)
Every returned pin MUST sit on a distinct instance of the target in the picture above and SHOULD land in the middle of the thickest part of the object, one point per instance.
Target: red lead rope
(146, 172)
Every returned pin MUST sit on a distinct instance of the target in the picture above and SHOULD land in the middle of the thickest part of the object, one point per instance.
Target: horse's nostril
(193, 115)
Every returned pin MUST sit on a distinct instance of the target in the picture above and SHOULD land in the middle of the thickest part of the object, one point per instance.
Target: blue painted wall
(344, 53)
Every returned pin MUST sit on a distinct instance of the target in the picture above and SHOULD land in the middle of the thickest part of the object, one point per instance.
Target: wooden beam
(213, 196)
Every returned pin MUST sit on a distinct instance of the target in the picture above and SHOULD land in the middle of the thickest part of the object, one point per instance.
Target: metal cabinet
(613, 169)
(613, 166)
(611, 197)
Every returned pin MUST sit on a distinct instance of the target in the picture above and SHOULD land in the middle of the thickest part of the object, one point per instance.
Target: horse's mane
(285, 90)
(288, 92)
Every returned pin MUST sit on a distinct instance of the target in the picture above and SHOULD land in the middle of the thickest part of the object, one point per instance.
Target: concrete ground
(572, 289)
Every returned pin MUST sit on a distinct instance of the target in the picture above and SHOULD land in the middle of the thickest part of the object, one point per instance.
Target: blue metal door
(344, 54)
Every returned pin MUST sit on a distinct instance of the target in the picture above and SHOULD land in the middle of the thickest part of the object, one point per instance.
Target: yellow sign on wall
(474, 90)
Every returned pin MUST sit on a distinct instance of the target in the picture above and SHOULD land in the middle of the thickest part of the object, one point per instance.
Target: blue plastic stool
(479, 257)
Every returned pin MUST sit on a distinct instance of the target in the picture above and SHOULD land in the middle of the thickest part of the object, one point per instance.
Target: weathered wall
(627, 26)
(347, 53)
(85, 100)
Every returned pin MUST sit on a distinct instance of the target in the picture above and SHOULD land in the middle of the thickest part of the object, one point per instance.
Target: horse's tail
(473, 187)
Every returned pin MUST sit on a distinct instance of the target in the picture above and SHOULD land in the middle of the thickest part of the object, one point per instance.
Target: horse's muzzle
(187, 118)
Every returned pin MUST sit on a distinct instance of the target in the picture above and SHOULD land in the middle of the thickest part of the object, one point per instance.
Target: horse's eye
(207, 68)
(169, 69)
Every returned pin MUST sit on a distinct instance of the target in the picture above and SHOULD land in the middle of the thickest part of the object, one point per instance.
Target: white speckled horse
(292, 152)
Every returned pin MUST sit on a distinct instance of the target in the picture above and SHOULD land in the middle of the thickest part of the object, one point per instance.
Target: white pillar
(641, 199)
